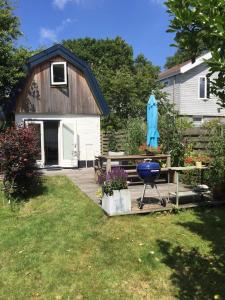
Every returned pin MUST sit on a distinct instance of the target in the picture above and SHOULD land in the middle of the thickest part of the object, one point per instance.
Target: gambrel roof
(59, 50)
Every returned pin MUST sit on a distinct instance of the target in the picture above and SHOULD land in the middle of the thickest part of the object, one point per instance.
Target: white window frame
(65, 73)
(206, 92)
(198, 122)
(40, 162)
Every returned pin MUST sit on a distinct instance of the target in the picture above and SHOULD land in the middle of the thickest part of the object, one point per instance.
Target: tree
(9, 32)
(200, 25)
(11, 58)
(146, 82)
(126, 82)
(113, 53)
(179, 57)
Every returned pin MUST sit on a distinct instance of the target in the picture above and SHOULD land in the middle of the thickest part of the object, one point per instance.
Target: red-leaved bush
(19, 149)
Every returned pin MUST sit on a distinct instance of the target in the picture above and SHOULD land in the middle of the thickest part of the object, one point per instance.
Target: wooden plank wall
(196, 136)
(39, 96)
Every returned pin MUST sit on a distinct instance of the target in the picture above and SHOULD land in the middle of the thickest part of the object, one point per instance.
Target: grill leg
(142, 198)
(162, 201)
(160, 197)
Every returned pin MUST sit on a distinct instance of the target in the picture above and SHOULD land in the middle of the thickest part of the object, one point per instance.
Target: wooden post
(108, 165)
(168, 161)
(168, 185)
(177, 188)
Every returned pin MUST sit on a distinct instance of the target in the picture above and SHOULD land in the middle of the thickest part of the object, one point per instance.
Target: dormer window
(58, 73)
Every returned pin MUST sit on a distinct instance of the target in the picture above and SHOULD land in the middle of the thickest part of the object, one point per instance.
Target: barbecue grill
(148, 172)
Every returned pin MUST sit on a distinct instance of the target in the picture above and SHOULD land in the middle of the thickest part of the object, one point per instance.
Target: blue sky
(142, 23)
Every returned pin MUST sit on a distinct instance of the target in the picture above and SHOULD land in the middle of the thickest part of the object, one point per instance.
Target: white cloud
(47, 34)
(158, 2)
(61, 3)
(67, 21)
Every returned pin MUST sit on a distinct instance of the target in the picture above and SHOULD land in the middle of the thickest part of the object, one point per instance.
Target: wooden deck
(84, 179)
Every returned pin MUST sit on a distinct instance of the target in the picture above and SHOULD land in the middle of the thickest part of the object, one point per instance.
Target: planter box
(119, 202)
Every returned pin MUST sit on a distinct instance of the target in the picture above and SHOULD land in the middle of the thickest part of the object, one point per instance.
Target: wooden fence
(198, 137)
(107, 139)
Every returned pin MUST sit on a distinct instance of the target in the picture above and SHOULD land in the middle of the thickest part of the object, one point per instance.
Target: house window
(197, 120)
(58, 73)
(208, 87)
(166, 83)
(204, 87)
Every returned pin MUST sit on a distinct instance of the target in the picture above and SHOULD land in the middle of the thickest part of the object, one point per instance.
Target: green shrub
(113, 142)
(135, 135)
(216, 150)
(172, 129)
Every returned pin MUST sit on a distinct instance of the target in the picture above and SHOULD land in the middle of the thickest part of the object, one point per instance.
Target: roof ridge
(179, 68)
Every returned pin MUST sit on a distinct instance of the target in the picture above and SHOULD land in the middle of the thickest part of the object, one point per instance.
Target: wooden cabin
(62, 99)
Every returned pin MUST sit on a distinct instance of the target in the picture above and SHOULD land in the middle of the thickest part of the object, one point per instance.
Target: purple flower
(116, 174)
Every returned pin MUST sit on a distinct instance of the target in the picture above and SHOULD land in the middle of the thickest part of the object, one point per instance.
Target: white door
(68, 144)
(39, 126)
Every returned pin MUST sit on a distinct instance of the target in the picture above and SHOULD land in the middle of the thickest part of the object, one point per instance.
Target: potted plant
(146, 150)
(189, 161)
(196, 159)
(116, 196)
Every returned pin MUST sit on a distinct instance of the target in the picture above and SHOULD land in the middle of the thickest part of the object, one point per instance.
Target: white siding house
(187, 88)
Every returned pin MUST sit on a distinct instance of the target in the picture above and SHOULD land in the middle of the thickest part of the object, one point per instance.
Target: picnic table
(109, 158)
(104, 163)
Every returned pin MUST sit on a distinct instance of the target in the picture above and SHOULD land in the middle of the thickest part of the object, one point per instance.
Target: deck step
(189, 193)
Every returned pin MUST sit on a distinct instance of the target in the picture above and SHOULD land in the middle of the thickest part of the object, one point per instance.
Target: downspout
(174, 81)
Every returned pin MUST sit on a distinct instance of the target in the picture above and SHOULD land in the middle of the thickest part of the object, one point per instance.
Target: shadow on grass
(37, 188)
(197, 275)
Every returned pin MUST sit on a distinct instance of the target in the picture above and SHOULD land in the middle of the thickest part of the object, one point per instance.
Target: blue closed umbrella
(152, 122)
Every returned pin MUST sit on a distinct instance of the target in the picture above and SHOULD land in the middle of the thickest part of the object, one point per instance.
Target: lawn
(60, 245)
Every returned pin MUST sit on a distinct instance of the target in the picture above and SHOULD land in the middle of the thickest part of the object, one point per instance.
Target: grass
(60, 245)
